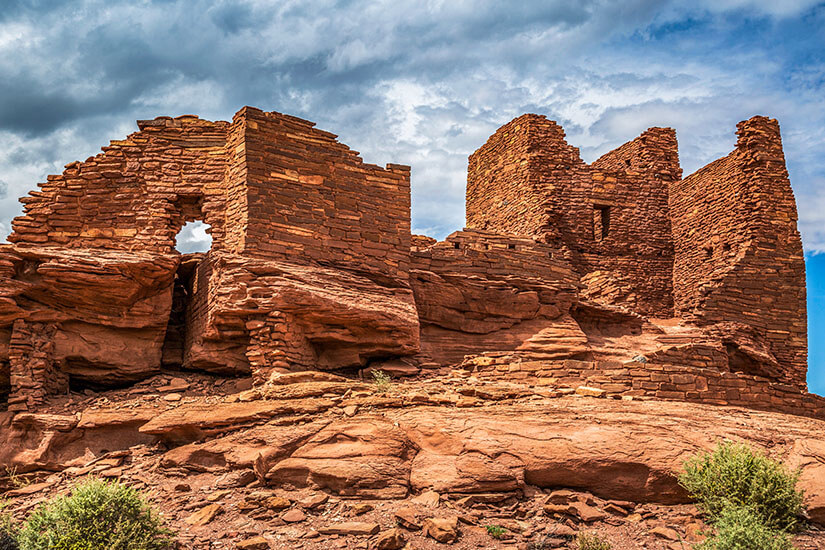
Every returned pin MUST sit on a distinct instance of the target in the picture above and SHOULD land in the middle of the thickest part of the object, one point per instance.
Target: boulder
(367, 457)
(392, 539)
(296, 515)
(205, 515)
(442, 529)
(109, 309)
(408, 518)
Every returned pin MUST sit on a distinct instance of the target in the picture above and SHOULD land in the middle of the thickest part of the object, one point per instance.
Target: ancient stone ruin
(618, 275)
(553, 364)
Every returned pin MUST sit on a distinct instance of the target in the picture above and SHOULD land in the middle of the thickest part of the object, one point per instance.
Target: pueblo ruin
(552, 364)
(619, 275)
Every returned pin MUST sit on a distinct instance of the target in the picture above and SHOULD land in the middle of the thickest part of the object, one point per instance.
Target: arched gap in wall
(193, 237)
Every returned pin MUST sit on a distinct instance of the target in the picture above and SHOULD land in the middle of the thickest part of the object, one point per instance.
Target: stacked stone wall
(34, 375)
(646, 381)
(502, 189)
(273, 189)
(738, 251)
(610, 218)
(136, 194)
(312, 199)
(495, 256)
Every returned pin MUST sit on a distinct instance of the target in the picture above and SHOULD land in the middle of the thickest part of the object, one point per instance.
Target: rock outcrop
(421, 453)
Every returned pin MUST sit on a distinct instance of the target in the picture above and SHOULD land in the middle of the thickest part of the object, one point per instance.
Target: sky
(424, 83)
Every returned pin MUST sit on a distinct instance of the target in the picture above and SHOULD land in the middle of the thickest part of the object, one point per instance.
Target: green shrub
(739, 528)
(495, 531)
(98, 515)
(382, 381)
(591, 541)
(734, 475)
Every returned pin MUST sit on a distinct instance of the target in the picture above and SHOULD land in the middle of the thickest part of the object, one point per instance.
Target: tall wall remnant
(738, 252)
(135, 195)
(312, 199)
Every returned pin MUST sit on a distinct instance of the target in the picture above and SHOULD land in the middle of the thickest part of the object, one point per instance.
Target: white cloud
(193, 238)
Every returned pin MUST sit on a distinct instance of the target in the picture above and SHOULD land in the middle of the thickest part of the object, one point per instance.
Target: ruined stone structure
(619, 274)
(719, 248)
(609, 219)
(309, 261)
(738, 252)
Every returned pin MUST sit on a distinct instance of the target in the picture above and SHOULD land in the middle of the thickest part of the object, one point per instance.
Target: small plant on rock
(495, 531)
(734, 475)
(738, 528)
(97, 515)
(16, 480)
(591, 541)
(382, 381)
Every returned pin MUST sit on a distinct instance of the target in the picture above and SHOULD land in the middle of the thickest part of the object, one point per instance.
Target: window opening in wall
(601, 222)
(193, 237)
(456, 245)
(708, 251)
(511, 246)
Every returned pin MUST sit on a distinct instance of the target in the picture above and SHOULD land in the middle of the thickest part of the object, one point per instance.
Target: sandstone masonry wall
(610, 219)
(136, 194)
(312, 199)
(738, 251)
(680, 382)
(277, 194)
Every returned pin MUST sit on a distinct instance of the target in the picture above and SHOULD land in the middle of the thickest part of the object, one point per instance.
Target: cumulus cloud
(416, 82)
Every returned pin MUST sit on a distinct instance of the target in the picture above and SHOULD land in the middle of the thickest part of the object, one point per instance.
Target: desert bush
(97, 515)
(495, 531)
(740, 528)
(735, 476)
(591, 541)
(382, 381)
